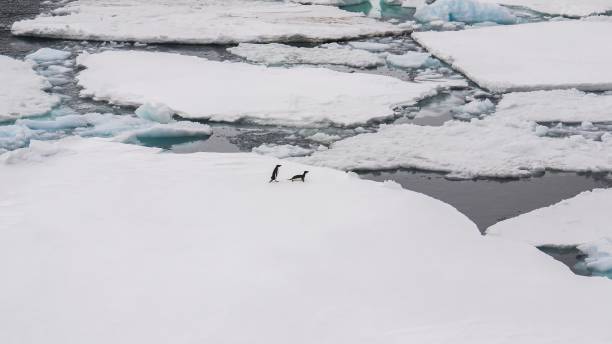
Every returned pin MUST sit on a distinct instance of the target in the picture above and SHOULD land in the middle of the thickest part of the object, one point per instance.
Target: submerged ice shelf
(322, 267)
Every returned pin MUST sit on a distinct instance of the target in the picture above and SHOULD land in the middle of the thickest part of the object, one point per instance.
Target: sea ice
(537, 56)
(322, 137)
(278, 54)
(578, 220)
(22, 91)
(222, 91)
(411, 59)
(491, 147)
(370, 46)
(599, 255)
(558, 105)
(199, 247)
(560, 7)
(281, 151)
(466, 11)
(198, 22)
(169, 130)
(155, 112)
(48, 55)
(330, 2)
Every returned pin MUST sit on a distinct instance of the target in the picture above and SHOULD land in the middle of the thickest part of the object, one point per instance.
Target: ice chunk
(323, 137)
(599, 255)
(281, 151)
(558, 105)
(202, 22)
(560, 7)
(169, 130)
(538, 56)
(411, 59)
(330, 2)
(581, 219)
(170, 243)
(48, 55)
(220, 91)
(155, 112)
(370, 46)
(476, 107)
(21, 91)
(277, 54)
(467, 11)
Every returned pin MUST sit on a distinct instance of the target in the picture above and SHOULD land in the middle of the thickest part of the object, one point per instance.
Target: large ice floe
(132, 246)
(550, 55)
(201, 22)
(558, 105)
(223, 91)
(467, 11)
(22, 91)
(571, 8)
(279, 54)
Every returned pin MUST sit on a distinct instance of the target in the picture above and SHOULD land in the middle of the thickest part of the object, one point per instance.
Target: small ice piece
(370, 46)
(278, 54)
(599, 255)
(156, 112)
(323, 138)
(22, 91)
(541, 130)
(281, 151)
(330, 2)
(570, 8)
(477, 107)
(169, 130)
(467, 11)
(48, 55)
(411, 59)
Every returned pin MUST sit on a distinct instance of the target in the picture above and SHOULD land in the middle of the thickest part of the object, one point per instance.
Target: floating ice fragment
(48, 55)
(467, 11)
(155, 112)
(281, 151)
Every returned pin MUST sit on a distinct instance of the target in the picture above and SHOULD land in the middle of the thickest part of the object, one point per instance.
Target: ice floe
(558, 105)
(281, 151)
(48, 55)
(192, 21)
(183, 129)
(578, 220)
(222, 91)
(411, 59)
(201, 247)
(278, 54)
(370, 46)
(155, 112)
(330, 2)
(491, 147)
(560, 7)
(551, 55)
(22, 91)
(466, 11)
(599, 256)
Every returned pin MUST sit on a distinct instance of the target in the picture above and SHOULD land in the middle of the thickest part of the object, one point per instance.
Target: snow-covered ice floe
(200, 247)
(582, 219)
(330, 2)
(278, 54)
(22, 91)
(571, 8)
(192, 21)
(412, 59)
(550, 55)
(281, 151)
(466, 11)
(491, 147)
(223, 91)
(571, 106)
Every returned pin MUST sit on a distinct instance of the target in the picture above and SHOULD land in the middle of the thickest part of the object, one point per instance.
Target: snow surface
(491, 147)
(582, 219)
(466, 11)
(558, 105)
(575, 8)
(192, 21)
(549, 55)
(222, 91)
(278, 54)
(281, 151)
(22, 91)
(103, 243)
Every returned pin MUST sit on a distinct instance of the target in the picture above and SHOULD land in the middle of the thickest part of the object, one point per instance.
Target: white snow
(558, 105)
(411, 59)
(281, 151)
(278, 54)
(108, 243)
(582, 219)
(560, 7)
(193, 21)
(491, 147)
(22, 91)
(222, 91)
(466, 11)
(48, 55)
(549, 55)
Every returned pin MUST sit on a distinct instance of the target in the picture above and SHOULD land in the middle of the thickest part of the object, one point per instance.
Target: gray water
(485, 201)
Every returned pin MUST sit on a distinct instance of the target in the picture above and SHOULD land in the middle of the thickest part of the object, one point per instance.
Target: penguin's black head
(305, 172)
(279, 165)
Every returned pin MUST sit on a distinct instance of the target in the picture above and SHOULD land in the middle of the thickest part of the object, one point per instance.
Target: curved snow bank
(278, 54)
(539, 56)
(22, 91)
(492, 147)
(559, 105)
(199, 247)
(221, 91)
(582, 219)
(467, 11)
(193, 21)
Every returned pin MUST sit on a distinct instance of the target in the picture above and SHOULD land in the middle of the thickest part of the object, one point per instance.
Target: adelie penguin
(299, 177)
(274, 174)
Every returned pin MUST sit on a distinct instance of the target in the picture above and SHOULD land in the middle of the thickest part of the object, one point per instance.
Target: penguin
(299, 177)
(274, 174)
